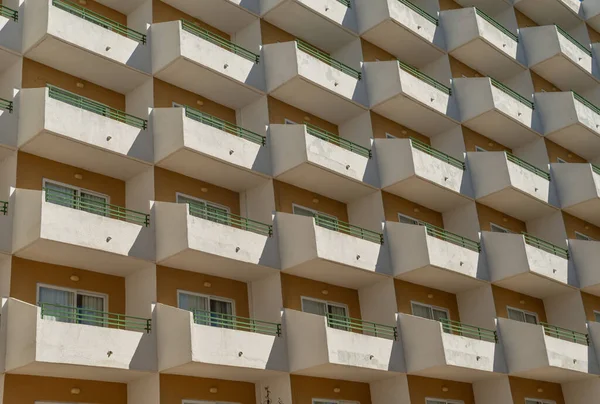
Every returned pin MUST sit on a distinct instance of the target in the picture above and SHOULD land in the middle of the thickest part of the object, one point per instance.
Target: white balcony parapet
(330, 251)
(430, 256)
(578, 187)
(402, 28)
(12, 33)
(527, 264)
(53, 340)
(6, 220)
(107, 239)
(314, 159)
(78, 131)
(510, 185)
(212, 345)
(328, 24)
(481, 42)
(78, 41)
(202, 146)
(591, 11)
(586, 255)
(559, 58)
(411, 98)
(191, 238)
(546, 352)
(497, 112)
(308, 79)
(414, 170)
(341, 347)
(544, 12)
(449, 349)
(8, 127)
(199, 61)
(571, 121)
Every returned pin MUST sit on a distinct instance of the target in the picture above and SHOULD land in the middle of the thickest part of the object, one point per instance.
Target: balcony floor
(534, 285)
(565, 74)
(442, 279)
(350, 373)
(67, 371)
(514, 202)
(553, 375)
(455, 373)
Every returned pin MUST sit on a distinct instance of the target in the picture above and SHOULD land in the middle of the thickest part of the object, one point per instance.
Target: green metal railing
(420, 11)
(573, 40)
(203, 317)
(346, 3)
(325, 58)
(78, 315)
(96, 107)
(99, 19)
(364, 327)
(3, 207)
(78, 202)
(229, 219)
(586, 102)
(565, 334)
(425, 78)
(332, 223)
(6, 105)
(546, 246)
(337, 140)
(425, 148)
(223, 125)
(450, 237)
(9, 13)
(496, 24)
(470, 331)
(219, 41)
(530, 167)
(512, 93)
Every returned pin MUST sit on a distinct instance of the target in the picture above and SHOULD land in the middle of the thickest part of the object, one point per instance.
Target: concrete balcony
(545, 352)
(202, 344)
(85, 44)
(511, 185)
(481, 42)
(319, 161)
(586, 255)
(194, 239)
(341, 348)
(75, 130)
(11, 33)
(330, 251)
(310, 80)
(413, 170)
(405, 95)
(328, 24)
(559, 58)
(6, 220)
(202, 146)
(54, 341)
(544, 12)
(9, 123)
(449, 350)
(430, 256)
(225, 15)
(570, 121)
(527, 264)
(578, 187)
(402, 28)
(199, 61)
(494, 110)
(591, 10)
(112, 240)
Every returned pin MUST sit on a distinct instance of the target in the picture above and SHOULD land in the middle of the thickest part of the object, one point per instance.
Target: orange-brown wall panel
(393, 204)
(305, 388)
(174, 389)
(286, 195)
(505, 297)
(529, 388)
(487, 215)
(162, 12)
(407, 292)
(421, 388)
(279, 111)
(381, 125)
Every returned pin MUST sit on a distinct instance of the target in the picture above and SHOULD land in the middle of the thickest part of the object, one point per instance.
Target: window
(581, 236)
(328, 221)
(212, 310)
(204, 209)
(204, 402)
(597, 316)
(440, 401)
(327, 401)
(522, 315)
(77, 198)
(72, 306)
(537, 401)
(559, 160)
(320, 307)
(480, 149)
(430, 312)
(498, 229)
(177, 105)
(388, 136)
(407, 219)
(289, 122)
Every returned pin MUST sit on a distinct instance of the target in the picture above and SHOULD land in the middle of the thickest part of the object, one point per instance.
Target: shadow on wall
(278, 357)
(145, 356)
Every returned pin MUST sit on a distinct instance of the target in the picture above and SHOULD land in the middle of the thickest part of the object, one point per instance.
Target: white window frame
(585, 236)
(289, 122)
(430, 306)
(207, 203)
(219, 298)
(389, 136)
(295, 205)
(76, 188)
(177, 105)
(333, 401)
(443, 400)
(326, 302)
(537, 319)
(499, 227)
(408, 217)
(104, 296)
(539, 400)
(480, 149)
(559, 160)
